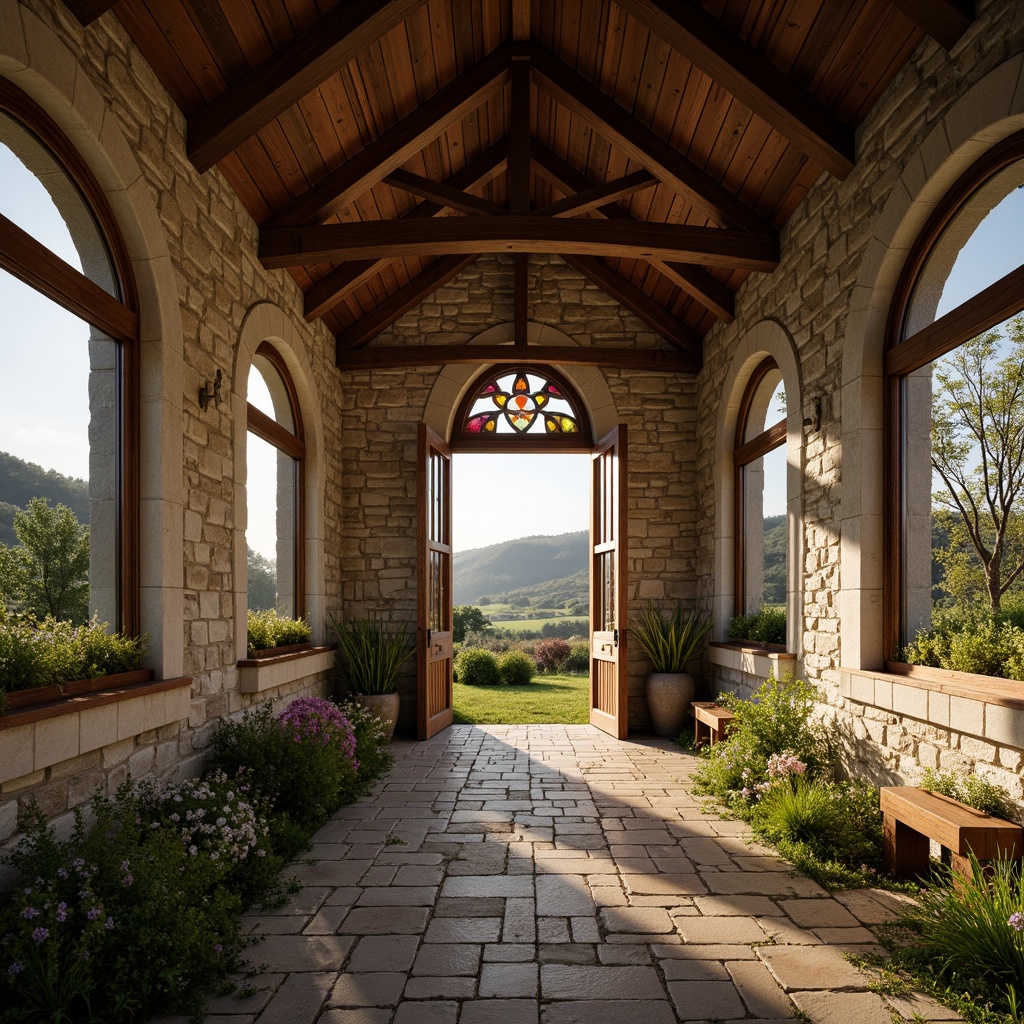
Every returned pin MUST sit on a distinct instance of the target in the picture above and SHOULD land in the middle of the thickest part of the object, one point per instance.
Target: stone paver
(553, 875)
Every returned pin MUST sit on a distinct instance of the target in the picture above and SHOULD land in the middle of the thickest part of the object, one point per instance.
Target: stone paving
(554, 875)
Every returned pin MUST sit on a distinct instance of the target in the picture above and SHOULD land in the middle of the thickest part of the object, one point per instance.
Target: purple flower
(1016, 921)
(41, 934)
(62, 912)
(29, 912)
(85, 954)
(127, 880)
(217, 948)
(109, 924)
(125, 865)
(94, 913)
(62, 872)
(15, 968)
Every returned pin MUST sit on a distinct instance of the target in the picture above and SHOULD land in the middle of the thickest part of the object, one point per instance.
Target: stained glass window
(522, 402)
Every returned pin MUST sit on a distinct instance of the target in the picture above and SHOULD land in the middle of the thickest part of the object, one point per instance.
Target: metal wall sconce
(208, 393)
(814, 422)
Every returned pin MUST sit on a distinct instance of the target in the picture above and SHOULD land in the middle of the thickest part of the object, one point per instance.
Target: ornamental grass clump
(372, 653)
(670, 642)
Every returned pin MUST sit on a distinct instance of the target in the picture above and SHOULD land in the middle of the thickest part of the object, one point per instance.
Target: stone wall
(810, 295)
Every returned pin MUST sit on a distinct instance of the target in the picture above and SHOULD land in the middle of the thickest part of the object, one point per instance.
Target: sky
(44, 410)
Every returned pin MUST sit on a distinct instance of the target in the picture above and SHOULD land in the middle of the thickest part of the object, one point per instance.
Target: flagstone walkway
(553, 875)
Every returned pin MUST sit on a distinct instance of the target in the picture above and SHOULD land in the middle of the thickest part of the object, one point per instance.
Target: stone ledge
(38, 737)
(256, 675)
(761, 660)
(982, 706)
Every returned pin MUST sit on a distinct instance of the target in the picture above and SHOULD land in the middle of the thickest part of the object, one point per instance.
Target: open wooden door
(434, 619)
(609, 669)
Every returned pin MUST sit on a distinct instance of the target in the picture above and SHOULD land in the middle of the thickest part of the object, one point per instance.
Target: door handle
(606, 647)
(615, 637)
(428, 637)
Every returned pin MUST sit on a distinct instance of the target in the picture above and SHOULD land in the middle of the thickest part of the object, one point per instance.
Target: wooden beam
(599, 195)
(387, 356)
(398, 143)
(521, 20)
(411, 294)
(755, 81)
(638, 142)
(439, 192)
(716, 247)
(519, 139)
(32, 262)
(639, 303)
(282, 80)
(337, 283)
(695, 282)
(87, 11)
(944, 20)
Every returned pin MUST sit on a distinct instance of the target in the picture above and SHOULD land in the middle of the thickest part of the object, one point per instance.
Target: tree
(467, 618)
(261, 581)
(978, 449)
(48, 571)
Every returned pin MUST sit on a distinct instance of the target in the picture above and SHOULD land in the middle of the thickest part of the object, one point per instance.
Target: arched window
(521, 407)
(955, 405)
(275, 451)
(759, 460)
(69, 362)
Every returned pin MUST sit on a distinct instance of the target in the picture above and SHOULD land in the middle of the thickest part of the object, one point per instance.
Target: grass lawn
(547, 700)
(518, 625)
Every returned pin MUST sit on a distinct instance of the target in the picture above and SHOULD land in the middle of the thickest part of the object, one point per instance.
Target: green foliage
(372, 653)
(671, 642)
(261, 581)
(372, 755)
(551, 654)
(475, 667)
(47, 573)
(977, 449)
(775, 550)
(970, 934)
(467, 618)
(778, 719)
(579, 657)
(516, 668)
(303, 783)
(766, 626)
(34, 654)
(20, 481)
(832, 831)
(973, 638)
(267, 629)
(974, 791)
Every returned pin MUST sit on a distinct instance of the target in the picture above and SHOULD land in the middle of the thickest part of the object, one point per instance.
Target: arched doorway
(518, 408)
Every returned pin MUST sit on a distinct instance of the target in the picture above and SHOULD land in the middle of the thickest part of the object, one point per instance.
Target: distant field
(561, 699)
(520, 625)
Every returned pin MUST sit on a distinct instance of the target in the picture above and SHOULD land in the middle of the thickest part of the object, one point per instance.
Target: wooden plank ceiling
(657, 145)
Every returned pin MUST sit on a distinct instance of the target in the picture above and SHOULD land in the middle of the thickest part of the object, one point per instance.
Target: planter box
(276, 652)
(48, 694)
(273, 669)
(44, 734)
(760, 660)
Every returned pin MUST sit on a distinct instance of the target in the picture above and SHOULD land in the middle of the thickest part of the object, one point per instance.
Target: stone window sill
(256, 675)
(760, 660)
(41, 735)
(983, 706)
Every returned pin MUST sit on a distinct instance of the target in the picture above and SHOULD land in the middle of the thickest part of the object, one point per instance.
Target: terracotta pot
(384, 706)
(669, 695)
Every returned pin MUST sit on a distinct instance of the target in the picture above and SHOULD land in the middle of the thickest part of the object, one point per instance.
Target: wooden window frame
(581, 442)
(117, 316)
(293, 444)
(905, 354)
(745, 452)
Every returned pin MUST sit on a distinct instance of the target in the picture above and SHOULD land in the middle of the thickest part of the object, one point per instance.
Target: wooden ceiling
(383, 145)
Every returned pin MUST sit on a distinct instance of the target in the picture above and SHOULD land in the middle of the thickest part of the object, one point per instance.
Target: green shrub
(973, 639)
(578, 661)
(767, 626)
(267, 630)
(41, 653)
(372, 755)
(516, 668)
(777, 719)
(970, 934)
(974, 791)
(478, 668)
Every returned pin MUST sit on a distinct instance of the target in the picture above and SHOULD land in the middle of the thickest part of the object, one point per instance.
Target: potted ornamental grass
(670, 641)
(371, 653)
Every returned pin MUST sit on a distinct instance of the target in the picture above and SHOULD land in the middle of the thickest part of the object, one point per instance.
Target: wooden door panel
(434, 625)
(608, 610)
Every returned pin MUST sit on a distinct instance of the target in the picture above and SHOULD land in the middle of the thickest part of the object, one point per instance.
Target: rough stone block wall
(823, 246)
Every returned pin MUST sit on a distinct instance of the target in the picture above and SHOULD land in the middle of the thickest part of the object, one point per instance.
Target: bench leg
(905, 850)
(701, 733)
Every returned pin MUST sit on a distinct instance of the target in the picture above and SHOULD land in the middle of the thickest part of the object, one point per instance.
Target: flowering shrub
(318, 721)
(372, 755)
(782, 766)
(551, 654)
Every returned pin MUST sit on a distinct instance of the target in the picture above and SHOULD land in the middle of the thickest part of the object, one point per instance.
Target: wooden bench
(913, 816)
(709, 722)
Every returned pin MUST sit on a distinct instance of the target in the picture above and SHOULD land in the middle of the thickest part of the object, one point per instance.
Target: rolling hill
(20, 481)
